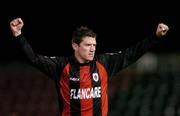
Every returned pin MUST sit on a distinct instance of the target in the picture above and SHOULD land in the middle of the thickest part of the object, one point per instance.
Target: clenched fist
(162, 29)
(16, 26)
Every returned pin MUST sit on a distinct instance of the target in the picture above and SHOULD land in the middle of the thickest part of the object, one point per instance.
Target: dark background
(151, 86)
(48, 26)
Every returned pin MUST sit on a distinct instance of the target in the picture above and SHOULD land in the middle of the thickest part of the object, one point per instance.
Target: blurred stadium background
(149, 87)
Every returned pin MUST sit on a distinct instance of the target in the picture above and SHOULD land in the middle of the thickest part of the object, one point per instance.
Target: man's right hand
(16, 26)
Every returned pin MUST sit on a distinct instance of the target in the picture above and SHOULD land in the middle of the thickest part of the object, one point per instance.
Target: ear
(74, 46)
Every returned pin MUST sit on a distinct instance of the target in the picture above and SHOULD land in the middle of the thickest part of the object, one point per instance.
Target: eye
(88, 44)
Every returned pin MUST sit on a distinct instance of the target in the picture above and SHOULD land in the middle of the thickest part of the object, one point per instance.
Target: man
(82, 79)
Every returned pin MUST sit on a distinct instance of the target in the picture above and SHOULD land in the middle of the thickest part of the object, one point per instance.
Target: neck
(80, 60)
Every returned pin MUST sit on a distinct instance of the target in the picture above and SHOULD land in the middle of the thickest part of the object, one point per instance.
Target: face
(85, 51)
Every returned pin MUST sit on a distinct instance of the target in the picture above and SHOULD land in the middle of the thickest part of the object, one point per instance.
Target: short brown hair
(82, 32)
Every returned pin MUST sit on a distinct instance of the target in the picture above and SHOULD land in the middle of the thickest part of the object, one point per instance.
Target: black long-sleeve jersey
(82, 88)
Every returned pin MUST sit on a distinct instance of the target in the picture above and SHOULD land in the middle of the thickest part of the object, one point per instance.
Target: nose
(92, 48)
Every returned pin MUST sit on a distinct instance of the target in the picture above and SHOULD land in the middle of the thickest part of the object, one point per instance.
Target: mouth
(91, 55)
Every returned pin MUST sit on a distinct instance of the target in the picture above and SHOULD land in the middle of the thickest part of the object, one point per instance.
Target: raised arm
(114, 62)
(48, 65)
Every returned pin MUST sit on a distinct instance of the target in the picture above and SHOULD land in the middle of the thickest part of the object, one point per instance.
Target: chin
(90, 59)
